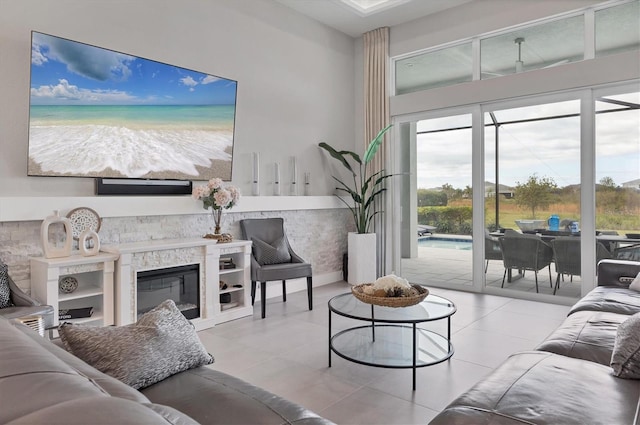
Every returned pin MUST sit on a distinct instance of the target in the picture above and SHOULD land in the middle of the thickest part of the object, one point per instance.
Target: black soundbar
(142, 187)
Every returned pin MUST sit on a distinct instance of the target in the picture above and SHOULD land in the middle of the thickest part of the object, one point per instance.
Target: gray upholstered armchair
(273, 259)
(21, 304)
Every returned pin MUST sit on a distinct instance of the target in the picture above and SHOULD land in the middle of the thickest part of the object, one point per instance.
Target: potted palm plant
(366, 187)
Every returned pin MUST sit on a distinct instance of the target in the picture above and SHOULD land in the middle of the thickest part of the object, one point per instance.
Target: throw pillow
(271, 253)
(5, 290)
(625, 359)
(635, 284)
(160, 344)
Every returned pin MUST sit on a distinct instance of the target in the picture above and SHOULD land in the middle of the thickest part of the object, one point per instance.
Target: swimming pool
(446, 243)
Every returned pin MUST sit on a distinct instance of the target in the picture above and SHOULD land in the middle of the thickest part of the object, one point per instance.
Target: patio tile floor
(443, 267)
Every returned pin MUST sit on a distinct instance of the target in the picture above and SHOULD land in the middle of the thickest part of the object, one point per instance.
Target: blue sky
(65, 72)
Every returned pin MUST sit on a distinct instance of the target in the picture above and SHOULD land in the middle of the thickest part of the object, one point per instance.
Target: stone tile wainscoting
(319, 236)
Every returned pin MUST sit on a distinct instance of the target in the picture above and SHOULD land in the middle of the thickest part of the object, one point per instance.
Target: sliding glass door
(532, 188)
(617, 129)
(562, 170)
(440, 251)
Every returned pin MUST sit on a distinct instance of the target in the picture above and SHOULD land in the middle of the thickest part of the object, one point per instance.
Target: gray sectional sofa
(40, 383)
(568, 378)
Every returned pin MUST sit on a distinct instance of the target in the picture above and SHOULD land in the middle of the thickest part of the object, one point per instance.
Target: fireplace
(179, 284)
(138, 260)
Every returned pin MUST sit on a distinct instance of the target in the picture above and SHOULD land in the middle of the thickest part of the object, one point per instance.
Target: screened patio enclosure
(532, 148)
(533, 128)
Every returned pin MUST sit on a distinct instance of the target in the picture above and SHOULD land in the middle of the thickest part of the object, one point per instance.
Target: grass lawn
(510, 212)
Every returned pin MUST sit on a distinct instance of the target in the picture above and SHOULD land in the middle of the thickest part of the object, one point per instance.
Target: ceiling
(355, 21)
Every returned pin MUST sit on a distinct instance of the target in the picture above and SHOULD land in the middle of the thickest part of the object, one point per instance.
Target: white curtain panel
(376, 117)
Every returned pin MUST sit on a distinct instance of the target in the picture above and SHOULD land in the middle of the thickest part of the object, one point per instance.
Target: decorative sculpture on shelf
(49, 247)
(67, 284)
(89, 243)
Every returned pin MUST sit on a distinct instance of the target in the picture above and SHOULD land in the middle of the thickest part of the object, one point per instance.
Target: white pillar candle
(294, 177)
(256, 167)
(307, 183)
(276, 181)
(255, 178)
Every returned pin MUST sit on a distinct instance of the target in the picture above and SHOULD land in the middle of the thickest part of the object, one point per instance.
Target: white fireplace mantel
(38, 208)
(158, 254)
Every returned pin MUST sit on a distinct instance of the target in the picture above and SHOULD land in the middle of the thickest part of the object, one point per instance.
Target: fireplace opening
(180, 284)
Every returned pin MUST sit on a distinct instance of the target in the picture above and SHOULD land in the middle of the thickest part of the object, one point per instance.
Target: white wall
(295, 77)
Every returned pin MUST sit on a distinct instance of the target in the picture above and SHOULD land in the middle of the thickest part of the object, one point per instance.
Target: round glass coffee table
(391, 338)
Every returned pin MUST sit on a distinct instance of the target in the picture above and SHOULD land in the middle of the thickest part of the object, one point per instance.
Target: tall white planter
(362, 258)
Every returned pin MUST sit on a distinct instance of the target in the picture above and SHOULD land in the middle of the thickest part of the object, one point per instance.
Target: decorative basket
(358, 292)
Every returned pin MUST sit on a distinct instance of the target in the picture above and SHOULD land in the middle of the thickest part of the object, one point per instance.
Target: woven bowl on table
(358, 292)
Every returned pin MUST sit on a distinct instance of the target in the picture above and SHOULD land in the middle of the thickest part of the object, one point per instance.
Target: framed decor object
(89, 243)
(50, 247)
(82, 219)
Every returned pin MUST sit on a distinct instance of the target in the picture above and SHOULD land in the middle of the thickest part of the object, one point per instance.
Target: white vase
(362, 264)
(89, 243)
(51, 250)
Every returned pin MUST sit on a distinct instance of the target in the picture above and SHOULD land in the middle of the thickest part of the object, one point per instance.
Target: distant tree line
(447, 219)
(536, 194)
(441, 197)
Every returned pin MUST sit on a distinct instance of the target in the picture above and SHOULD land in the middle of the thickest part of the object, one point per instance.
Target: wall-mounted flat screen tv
(95, 112)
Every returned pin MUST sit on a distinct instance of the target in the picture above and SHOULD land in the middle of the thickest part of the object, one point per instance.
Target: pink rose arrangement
(217, 197)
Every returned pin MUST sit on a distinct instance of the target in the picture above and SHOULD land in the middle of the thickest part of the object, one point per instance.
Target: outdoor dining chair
(492, 249)
(525, 252)
(566, 254)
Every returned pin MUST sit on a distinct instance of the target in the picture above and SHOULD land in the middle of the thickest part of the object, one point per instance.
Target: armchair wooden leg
(284, 291)
(263, 298)
(310, 292)
(253, 291)
(536, 273)
(550, 284)
(504, 276)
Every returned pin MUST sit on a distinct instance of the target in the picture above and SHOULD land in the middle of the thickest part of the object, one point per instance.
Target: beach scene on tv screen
(96, 112)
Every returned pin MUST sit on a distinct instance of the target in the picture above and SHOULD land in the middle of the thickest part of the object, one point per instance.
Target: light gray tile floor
(287, 354)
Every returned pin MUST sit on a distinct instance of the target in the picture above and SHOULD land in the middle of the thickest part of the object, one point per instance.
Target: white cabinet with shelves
(94, 275)
(234, 301)
(144, 256)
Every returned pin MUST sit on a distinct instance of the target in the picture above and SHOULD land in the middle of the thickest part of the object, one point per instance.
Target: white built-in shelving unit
(95, 277)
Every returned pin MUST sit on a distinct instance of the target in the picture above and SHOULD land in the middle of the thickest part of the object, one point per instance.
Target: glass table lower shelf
(392, 337)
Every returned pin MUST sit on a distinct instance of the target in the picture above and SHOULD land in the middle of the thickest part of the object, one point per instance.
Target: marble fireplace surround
(159, 254)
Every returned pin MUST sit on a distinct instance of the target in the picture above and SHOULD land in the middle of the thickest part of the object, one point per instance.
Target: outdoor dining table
(614, 241)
